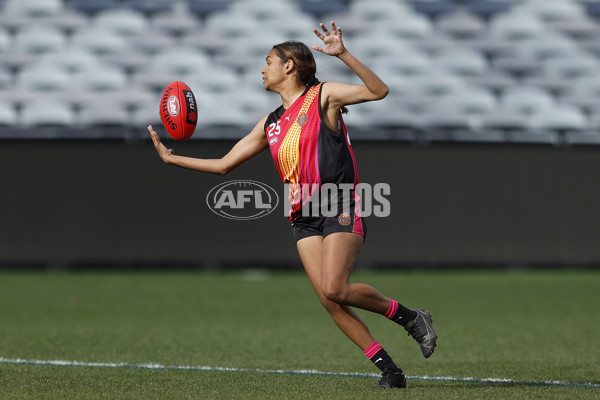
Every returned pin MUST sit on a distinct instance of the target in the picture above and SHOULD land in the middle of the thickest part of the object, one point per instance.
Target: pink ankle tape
(372, 349)
(393, 308)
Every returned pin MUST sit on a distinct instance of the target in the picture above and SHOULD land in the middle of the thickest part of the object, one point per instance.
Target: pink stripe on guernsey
(358, 226)
(372, 349)
(393, 308)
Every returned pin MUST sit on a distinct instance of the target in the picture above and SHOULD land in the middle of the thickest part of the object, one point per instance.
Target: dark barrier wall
(110, 202)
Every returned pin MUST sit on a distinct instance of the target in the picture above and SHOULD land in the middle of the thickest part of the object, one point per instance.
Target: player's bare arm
(249, 146)
(340, 94)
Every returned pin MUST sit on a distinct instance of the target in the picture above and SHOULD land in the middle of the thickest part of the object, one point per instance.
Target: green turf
(525, 326)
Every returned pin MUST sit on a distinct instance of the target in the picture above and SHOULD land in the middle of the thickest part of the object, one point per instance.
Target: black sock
(400, 314)
(380, 357)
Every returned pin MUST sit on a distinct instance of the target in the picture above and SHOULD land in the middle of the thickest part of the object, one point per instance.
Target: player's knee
(335, 293)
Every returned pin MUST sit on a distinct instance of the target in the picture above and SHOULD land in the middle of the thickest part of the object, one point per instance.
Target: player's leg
(339, 253)
(310, 249)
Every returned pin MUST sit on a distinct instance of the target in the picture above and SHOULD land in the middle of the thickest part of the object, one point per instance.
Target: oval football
(178, 110)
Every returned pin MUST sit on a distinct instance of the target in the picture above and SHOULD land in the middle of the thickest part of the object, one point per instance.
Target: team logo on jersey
(273, 141)
(302, 119)
(344, 219)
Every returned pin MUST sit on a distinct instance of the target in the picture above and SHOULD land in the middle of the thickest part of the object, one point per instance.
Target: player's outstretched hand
(161, 149)
(332, 41)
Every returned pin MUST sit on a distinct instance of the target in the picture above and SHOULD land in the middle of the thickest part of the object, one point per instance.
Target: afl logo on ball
(344, 219)
(173, 105)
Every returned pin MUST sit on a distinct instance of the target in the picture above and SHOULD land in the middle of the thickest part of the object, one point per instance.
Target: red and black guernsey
(307, 153)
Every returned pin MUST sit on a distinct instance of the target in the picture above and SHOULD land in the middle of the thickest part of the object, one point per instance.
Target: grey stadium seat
(128, 61)
(155, 80)
(40, 39)
(122, 21)
(179, 60)
(8, 114)
(47, 112)
(148, 115)
(173, 23)
(99, 40)
(33, 7)
(445, 117)
(93, 6)
(493, 80)
(231, 24)
(208, 42)
(4, 40)
(526, 100)
(375, 43)
(561, 118)
(67, 20)
(71, 59)
(43, 77)
(589, 85)
(101, 77)
(504, 120)
(547, 46)
(100, 114)
(517, 67)
(516, 26)
(461, 25)
(434, 83)
(255, 103)
(221, 79)
(576, 28)
(352, 25)
(414, 64)
(556, 86)
(215, 115)
(152, 6)
(469, 101)
(461, 61)
(576, 65)
(151, 41)
(264, 10)
(583, 93)
(379, 10)
(552, 10)
(6, 79)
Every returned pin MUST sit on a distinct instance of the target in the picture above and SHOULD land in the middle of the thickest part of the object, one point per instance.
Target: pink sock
(393, 308)
(372, 349)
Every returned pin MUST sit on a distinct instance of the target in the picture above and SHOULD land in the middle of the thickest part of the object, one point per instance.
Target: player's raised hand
(332, 41)
(161, 149)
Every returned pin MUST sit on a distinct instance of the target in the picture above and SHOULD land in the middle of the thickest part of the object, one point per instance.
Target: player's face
(274, 72)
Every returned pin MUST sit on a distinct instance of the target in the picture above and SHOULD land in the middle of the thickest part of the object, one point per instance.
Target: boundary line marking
(304, 372)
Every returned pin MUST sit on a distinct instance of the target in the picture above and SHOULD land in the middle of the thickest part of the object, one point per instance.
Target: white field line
(307, 372)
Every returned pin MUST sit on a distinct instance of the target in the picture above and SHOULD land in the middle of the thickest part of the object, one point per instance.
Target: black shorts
(322, 226)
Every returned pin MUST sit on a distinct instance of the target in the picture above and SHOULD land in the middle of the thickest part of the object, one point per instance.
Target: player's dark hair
(303, 59)
(304, 62)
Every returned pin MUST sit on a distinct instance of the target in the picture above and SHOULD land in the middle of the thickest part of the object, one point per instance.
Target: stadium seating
(39, 39)
(33, 7)
(100, 40)
(43, 77)
(8, 114)
(495, 64)
(47, 112)
(122, 21)
(152, 6)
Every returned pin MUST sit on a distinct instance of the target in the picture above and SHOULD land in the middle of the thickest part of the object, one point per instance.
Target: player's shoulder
(273, 116)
